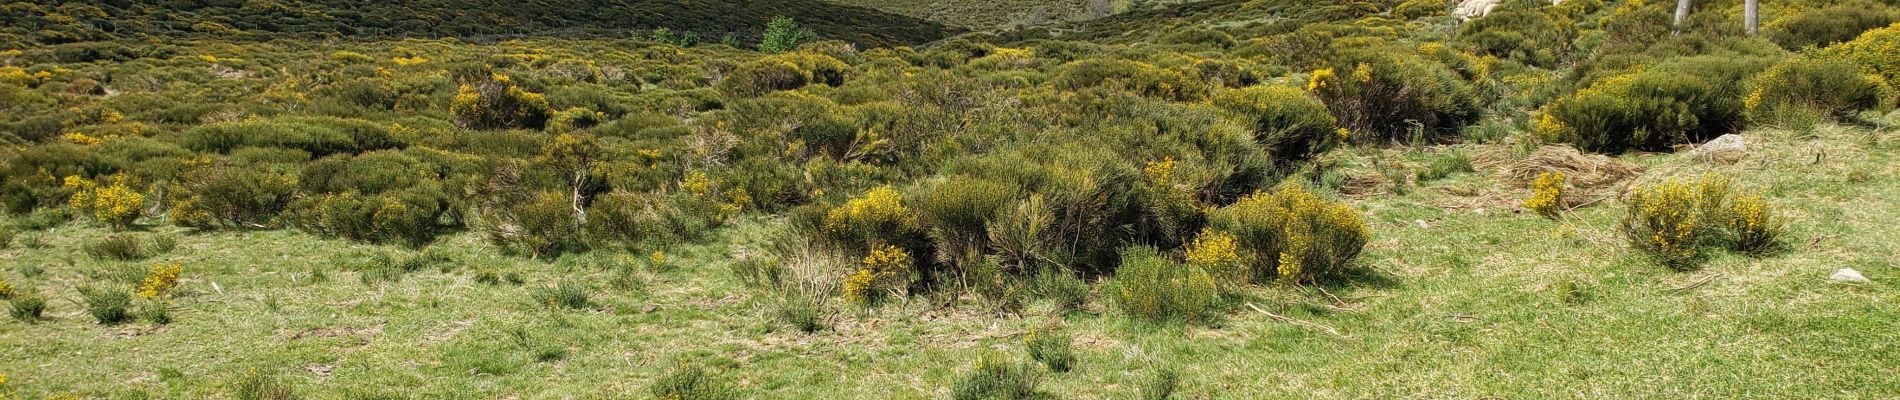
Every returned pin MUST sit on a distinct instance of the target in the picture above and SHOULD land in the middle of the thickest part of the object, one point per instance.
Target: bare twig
(1300, 322)
(1339, 304)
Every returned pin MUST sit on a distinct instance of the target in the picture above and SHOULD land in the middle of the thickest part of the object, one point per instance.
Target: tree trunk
(1751, 17)
(580, 213)
(1682, 11)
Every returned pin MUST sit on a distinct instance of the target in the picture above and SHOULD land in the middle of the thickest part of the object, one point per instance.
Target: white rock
(1727, 149)
(1848, 275)
(1474, 8)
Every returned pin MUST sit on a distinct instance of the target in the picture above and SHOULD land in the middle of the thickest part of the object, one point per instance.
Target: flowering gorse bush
(160, 280)
(1676, 221)
(1291, 234)
(112, 202)
(887, 269)
(877, 217)
(1547, 195)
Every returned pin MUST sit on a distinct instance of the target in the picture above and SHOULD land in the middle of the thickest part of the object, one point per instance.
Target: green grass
(1451, 303)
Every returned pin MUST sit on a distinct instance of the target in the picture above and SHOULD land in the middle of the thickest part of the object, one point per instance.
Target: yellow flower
(1547, 194)
(160, 280)
(1160, 172)
(81, 138)
(1320, 78)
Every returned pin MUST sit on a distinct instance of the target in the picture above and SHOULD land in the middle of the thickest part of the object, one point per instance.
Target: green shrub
(230, 196)
(1054, 349)
(155, 311)
(784, 72)
(574, 119)
(692, 382)
(805, 313)
(1873, 51)
(541, 225)
(108, 306)
(1130, 76)
(495, 102)
(782, 35)
(120, 247)
(1415, 9)
(1522, 31)
(957, 211)
(1441, 166)
(1680, 101)
(1676, 221)
(1153, 288)
(411, 216)
(997, 377)
(320, 136)
(26, 307)
(1394, 95)
(640, 218)
(1831, 89)
(1066, 291)
(1829, 25)
(1290, 124)
(567, 294)
(1291, 235)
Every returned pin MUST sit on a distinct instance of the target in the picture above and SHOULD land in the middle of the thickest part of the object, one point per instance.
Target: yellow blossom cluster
(885, 268)
(160, 280)
(879, 209)
(114, 202)
(1547, 195)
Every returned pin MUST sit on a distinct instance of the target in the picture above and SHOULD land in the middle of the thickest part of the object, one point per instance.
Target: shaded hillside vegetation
(56, 22)
(1007, 14)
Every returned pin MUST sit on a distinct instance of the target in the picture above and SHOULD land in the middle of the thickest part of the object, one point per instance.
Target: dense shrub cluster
(1389, 95)
(495, 102)
(1877, 52)
(1682, 100)
(1826, 88)
(1829, 25)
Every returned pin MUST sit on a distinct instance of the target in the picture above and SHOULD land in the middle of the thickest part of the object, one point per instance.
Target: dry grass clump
(1585, 171)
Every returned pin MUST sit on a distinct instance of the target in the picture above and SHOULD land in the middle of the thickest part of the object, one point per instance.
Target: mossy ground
(1450, 302)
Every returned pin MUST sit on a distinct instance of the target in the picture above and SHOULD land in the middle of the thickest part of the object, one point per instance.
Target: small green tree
(781, 35)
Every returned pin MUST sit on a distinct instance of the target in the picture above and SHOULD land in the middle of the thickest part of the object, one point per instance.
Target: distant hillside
(55, 22)
(1006, 14)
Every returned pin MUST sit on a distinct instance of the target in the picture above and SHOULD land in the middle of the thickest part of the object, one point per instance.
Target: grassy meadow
(1463, 297)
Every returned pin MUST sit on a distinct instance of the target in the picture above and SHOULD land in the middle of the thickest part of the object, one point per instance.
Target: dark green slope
(55, 22)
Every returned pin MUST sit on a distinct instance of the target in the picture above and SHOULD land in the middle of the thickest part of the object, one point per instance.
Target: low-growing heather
(107, 305)
(997, 377)
(566, 294)
(692, 382)
(26, 307)
(1150, 287)
(1053, 348)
